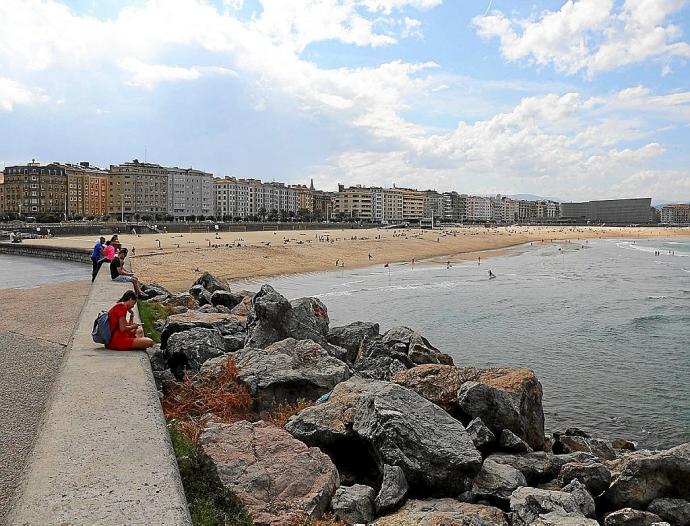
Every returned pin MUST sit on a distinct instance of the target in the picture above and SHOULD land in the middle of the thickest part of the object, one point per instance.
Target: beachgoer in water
(118, 272)
(491, 275)
(125, 334)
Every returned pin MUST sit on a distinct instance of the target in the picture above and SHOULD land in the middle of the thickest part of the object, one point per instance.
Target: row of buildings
(141, 190)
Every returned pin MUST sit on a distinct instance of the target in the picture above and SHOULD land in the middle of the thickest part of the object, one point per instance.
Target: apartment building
(454, 207)
(87, 190)
(413, 204)
(504, 209)
(387, 205)
(190, 193)
(32, 189)
(621, 211)
(323, 205)
(244, 198)
(137, 189)
(2, 192)
(478, 208)
(678, 213)
(354, 202)
(433, 204)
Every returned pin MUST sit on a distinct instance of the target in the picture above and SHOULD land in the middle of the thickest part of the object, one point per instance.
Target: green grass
(149, 314)
(210, 503)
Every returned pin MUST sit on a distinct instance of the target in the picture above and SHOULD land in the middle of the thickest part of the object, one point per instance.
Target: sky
(582, 99)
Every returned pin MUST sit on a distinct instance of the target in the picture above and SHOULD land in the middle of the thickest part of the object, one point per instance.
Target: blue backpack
(101, 329)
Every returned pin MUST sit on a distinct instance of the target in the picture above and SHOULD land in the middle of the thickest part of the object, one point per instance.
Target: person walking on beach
(125, 334)
(118, 272)
(96, 255)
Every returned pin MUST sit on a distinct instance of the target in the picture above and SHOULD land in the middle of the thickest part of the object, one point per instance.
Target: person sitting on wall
(107, 255)
(125, 334)
(96, 256)
(118, 272)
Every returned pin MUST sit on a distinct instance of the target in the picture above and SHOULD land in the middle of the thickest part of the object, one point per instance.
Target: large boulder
(267, 318)
(182, 299)
(631, 517)
(509, 441)
(497, 481)
(393, 489)
(675, 511)
(570, 443)
(595, 476)
(210, 283)
(505, 398)
(416, 346)
(279, 479)
(288, 371)
(189, 350)
(527, 504)
(154, 290)
(376, 360)
(307, 320)
(481, 436)
(539, 467)
(437, 383)
(399, 428)
(641, 479)
(351, 336)
(443, 512)
(225, 298)
(226, 324)
(557, 518)
(583, 498)
(354, 504)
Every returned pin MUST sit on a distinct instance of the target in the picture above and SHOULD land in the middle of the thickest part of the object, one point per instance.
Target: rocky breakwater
(394, 433)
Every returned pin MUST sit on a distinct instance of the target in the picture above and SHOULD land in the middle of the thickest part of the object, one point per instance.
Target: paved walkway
(35, 327)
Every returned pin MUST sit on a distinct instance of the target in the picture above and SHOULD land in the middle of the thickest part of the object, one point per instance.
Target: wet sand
(240, 255)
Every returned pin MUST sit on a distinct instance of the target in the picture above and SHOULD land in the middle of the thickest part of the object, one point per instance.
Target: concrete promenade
(103, 455)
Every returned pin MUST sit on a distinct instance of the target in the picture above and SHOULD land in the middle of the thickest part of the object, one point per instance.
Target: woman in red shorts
(125, 334)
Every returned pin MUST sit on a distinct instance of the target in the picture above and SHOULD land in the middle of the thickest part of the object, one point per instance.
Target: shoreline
(238, 256)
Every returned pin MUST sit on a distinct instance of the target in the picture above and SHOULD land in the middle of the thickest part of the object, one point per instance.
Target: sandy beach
(240, 255)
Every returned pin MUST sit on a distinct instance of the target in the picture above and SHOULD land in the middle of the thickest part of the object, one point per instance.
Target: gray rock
(350, 337)
(645, 478)
(504, 398)
(509, 441)
(497, 481)
(222, 309)
(179, 310)
(288, 371)
(227, 324)
(621, 443)
(354, 504)
(596, 446)
(527, 504)
(154, 290)
(443, 512)
(204, 298)
(182, 299)
(267, 318)
(207, 308)
(210, 283)
(225, 298)
(595, 476)
(164, 379)
(195, 291)
(307, 320)
(416, 346)
(234, 342)
(578, 490)
(188, 350)
(537, 467)
(401, 429)
(481, 436)
(556, 518)
(378, 361)
(631, 517)
(393, 489)
(675, 511)
(158, 360)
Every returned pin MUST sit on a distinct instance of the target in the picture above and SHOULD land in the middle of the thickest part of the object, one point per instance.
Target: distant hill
(532, 197)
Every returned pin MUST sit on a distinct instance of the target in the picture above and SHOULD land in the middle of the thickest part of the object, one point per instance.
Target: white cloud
(147, 76)
(590, 35)
(13, 93)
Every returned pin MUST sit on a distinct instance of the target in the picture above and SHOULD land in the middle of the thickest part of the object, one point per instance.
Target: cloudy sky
(576, 99)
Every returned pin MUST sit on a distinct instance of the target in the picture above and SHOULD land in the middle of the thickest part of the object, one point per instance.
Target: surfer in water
(492, 275)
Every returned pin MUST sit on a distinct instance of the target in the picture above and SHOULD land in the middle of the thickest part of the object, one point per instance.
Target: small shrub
(150, 312)
(281, 413)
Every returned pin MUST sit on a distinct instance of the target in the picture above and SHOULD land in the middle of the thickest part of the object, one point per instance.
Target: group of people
(126, 335)
(15, 237)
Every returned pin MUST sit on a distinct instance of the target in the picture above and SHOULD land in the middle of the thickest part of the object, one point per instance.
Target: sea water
(605, 324)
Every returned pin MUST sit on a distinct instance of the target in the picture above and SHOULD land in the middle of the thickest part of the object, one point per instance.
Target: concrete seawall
(104, 454)
(77, 255)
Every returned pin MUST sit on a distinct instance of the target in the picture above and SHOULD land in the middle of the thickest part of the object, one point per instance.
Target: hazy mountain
(532, 197)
